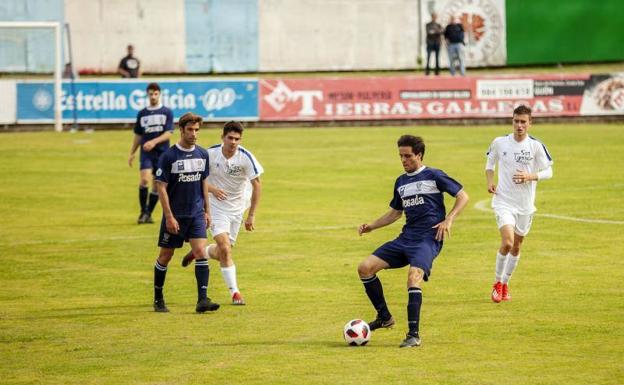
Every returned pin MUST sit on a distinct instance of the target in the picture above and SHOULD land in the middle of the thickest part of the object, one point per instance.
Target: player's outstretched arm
(389, 217)
(444, 227)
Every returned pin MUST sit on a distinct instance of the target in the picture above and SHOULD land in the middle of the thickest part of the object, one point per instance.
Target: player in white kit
(235, 173)
(522, 161)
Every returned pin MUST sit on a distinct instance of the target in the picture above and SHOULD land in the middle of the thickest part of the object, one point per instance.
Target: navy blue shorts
(401, 252)
(189, 228)
(149, 160)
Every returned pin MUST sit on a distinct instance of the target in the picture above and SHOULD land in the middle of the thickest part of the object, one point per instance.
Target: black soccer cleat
(410, 341)
(205, 305)
(160, 307)
(379, 323)
(188, 258)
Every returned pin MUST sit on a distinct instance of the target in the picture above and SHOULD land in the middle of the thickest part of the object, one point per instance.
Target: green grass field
(76, 279)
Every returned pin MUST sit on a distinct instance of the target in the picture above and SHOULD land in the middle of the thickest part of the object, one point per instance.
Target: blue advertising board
(120, 101)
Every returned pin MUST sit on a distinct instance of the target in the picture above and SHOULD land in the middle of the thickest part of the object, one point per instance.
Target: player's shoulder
(244, 151)
(201, 150)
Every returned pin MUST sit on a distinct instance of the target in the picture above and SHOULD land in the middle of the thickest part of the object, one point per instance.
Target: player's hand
(444, 230)
(520, 177)
(207, 219)
(219, 194)
(148, 146)
(364, 228)
(130, 159)
(172, 225)
(492, 188)
(249, 222)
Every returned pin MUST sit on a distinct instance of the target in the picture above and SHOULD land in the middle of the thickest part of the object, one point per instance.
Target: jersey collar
(185, 149)
(416, 172)
(159, 105)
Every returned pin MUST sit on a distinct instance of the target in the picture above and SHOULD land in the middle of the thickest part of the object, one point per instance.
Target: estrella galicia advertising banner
(120, 101)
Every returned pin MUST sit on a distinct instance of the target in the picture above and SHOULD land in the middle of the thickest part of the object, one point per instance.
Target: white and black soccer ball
(357, 332)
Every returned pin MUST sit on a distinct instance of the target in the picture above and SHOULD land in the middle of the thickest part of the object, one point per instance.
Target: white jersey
(529, 155)
(232, 176)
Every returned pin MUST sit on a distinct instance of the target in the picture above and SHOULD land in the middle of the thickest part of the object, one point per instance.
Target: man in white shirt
(522, 161)
(235, 174)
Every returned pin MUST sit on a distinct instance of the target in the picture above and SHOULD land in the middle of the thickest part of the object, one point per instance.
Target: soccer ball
(357, 332)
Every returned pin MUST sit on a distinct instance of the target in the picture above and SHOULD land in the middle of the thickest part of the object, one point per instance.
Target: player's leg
(523, 225)
(160, 273)
(506, 222)
(367, 270)
(145, 176)
(153, 195)
(415, 277)
(228, 268)
(196, 235)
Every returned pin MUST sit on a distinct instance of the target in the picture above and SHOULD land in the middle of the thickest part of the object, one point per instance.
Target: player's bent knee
(365, 269)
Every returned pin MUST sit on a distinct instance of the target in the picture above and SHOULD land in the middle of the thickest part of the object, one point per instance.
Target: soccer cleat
(148, 219)
(410, 341)
(237, 299)
(206, 305)
(379, 323)
(160, 307)
(505, 296)
(142, 218)
(188, 258)
(497, 292)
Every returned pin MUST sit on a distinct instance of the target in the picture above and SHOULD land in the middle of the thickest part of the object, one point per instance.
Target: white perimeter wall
(101, 30)
(338, 35)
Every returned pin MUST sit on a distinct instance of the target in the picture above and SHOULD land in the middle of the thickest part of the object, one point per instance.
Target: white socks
(229, 276)
(500, 266)
(510, 266)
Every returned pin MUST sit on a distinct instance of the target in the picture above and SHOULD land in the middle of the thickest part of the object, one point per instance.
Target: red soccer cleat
(505, 293)
(237, 299)
(497, 292)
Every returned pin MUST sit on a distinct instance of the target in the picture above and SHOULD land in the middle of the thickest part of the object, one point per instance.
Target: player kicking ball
(182, 182)
(419, 194)
(232, 170)
(522, 161)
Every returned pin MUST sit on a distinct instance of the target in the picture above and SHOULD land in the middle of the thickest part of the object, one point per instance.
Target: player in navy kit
(153, 128)
(418, 193)
(183, 188)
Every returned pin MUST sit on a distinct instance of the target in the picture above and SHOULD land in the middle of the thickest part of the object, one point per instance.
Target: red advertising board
(418, 97)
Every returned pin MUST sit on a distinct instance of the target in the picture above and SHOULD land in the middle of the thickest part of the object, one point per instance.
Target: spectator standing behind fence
(434, 34)
(129, 66)
(454, 35)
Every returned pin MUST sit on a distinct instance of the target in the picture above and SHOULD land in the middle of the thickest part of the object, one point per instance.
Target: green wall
(564, 31)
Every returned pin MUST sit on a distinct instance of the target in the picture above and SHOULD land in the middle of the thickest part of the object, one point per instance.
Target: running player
(233, 169)
(522, 161)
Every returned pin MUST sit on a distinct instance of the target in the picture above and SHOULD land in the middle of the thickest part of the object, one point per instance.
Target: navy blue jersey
(152, 122)
(184, 171)
(419, 195)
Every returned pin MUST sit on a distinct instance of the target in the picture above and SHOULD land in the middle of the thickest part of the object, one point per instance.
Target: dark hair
(189, 117)
(522, 110)
(415, 142)
(233, 126)
(153, 87)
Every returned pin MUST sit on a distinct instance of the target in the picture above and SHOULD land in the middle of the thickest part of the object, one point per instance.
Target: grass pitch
(76, 281)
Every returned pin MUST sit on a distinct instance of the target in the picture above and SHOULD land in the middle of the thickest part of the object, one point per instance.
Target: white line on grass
(482, 206)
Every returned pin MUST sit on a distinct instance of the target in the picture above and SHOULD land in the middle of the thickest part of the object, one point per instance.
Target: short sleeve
(254, 168)
(163, 173)
(169, 122)
(206, 171)
(396, 202)
(543, 158)
(447, 184)
(137, 125)
(492, 156)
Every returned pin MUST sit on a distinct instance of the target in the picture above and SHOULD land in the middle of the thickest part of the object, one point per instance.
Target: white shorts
(225, 223)
(521, 223)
